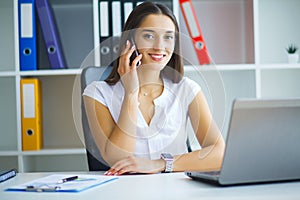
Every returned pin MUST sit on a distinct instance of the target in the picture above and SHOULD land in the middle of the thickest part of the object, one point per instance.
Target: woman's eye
(169, 37)
(148, 36)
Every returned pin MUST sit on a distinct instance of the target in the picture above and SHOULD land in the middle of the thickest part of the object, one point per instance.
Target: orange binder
(31, 114)
(195, 32)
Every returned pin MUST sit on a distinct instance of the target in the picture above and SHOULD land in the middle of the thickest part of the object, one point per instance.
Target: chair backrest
(95, 160)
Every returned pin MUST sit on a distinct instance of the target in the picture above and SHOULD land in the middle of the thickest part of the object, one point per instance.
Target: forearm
(208, 158)
(121, 142)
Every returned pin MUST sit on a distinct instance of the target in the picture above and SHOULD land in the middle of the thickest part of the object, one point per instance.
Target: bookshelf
(63, 149)
(246, 39)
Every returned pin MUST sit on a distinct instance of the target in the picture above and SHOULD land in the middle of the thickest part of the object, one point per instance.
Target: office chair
(95, 160)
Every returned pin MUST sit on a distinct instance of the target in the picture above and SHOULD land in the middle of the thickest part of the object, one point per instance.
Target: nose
(158, 43)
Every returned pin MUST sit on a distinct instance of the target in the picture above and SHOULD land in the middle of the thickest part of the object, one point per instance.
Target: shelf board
(7, 73)
(187, 68)
(280, 66)
(8, 153)
(227, 67)
(50, 72)
(56, 151)
(239, 67)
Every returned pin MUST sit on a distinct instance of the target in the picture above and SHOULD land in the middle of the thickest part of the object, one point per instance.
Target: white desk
(158, 186)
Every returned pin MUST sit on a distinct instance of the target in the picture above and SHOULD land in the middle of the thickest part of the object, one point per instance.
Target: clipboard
(52, 183)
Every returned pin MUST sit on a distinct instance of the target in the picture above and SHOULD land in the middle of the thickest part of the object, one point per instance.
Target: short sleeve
(192, 89)
(95, 90)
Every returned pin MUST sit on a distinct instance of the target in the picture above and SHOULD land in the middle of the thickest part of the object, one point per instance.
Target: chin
(154, 66)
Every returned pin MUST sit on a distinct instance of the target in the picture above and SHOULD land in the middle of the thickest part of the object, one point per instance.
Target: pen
(72, 178)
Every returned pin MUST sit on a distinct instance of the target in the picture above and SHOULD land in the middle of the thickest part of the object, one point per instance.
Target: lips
(157, 57)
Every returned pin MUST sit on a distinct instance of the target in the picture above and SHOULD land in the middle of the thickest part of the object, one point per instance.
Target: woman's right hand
(127, 72)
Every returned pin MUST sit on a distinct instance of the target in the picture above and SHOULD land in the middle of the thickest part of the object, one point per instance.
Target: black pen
(72, 178)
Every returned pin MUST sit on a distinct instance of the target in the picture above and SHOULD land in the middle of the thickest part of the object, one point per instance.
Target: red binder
(195, 32)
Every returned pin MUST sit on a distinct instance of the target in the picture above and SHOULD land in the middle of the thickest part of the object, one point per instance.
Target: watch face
(167, 156)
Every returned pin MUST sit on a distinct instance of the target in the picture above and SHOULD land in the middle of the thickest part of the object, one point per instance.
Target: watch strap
(169, 159)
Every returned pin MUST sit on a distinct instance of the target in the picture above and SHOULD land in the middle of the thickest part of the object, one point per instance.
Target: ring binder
(105, 43)
(127, 8)
(195, 32)
(116, 26)
(27, 35)
(31, 114)
(50, 34)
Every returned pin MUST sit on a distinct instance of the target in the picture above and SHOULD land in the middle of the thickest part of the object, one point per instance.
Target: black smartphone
(134, 54)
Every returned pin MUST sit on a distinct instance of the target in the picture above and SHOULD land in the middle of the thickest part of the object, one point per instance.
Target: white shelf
(9, 153)
(55, 72)
(227, 67)
(8, 73)
(279, 66)
(57, 151)
(54, 151)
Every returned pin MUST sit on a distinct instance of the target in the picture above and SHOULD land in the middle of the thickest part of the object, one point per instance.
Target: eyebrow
(152, 31)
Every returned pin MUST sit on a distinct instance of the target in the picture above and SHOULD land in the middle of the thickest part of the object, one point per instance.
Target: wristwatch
(169, 161)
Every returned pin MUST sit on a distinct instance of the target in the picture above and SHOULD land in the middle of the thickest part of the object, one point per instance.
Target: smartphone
(134, 54)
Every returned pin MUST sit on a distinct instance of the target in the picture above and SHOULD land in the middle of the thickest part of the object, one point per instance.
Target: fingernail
(127, 42)
(108, 173)
(117, 174)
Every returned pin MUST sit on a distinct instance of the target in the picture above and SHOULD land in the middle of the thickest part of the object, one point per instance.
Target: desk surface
(158, 186)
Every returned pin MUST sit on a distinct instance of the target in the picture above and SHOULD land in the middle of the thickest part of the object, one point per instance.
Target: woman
(140, 113)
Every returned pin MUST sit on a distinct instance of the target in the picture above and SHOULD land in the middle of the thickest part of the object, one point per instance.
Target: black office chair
(95, 160)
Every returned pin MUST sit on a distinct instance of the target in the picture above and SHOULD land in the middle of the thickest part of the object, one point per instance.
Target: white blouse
(167, 131)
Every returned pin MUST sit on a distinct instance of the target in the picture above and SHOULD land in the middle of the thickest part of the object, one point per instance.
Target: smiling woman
(138, 116)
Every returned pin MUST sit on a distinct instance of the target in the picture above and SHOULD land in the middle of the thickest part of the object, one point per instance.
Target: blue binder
(27, 35)
(50, 34)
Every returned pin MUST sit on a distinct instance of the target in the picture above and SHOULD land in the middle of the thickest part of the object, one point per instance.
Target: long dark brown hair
(174, 68)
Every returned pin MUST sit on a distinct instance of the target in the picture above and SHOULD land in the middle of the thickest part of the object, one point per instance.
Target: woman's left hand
(133, 164)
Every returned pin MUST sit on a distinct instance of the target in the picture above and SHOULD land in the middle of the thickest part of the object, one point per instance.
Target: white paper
(82, 183)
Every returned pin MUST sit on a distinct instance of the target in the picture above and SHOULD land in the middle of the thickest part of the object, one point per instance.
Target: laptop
(262, 145)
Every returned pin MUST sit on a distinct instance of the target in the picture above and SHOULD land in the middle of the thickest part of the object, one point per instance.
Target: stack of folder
(27, 35)
(31, 101)
(113, 15)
